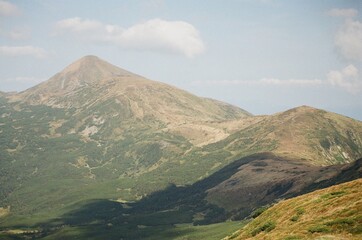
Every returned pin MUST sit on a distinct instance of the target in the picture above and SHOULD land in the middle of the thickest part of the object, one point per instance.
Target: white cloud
(300, 82)
(8, 9)
(348, 78)
(16, 34)
(78, 25)
(343, 12)
(15, 51)
(264, 82)
(349, 40)
(153, 35)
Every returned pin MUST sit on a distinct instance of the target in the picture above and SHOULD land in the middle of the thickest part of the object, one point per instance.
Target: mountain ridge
(115, 136)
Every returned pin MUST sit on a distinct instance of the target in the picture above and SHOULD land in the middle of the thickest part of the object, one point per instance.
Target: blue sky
(264, 56)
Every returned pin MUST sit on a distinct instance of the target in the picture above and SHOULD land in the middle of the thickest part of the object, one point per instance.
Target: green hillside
(331, 213)
(98, 133)
(313, 135)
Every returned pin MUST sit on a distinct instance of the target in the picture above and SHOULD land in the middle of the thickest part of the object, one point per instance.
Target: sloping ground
(91, 83)
(95, 131)
(331, 213)
(269, 177)
(158, 213)
(312, 135)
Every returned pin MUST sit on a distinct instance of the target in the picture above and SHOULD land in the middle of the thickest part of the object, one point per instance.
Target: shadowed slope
(159, 212)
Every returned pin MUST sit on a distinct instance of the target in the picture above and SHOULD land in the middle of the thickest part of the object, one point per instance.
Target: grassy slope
(313, 135)
(331, 213)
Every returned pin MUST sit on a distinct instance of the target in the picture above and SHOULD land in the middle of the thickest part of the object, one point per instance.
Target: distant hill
(331, 213)
(315, 136)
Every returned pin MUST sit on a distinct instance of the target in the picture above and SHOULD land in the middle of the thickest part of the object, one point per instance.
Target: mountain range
(98, 146)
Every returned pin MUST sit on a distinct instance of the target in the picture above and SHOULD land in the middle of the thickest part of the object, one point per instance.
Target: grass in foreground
(331, 213)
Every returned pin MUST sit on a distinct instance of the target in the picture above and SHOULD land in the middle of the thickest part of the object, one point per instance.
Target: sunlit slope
(315, 136)
(92, 129)
(91, 83)
(331, 213)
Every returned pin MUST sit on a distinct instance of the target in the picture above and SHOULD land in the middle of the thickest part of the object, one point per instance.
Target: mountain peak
(86, 61)
(300, 110)
(90, 57)
(86, 71)
(90, 82)
(91, 68)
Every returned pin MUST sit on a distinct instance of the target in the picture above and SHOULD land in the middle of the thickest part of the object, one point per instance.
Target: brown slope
(331, 213)
(322, 137)
(91, 88)
(309, 134)
(91, 81)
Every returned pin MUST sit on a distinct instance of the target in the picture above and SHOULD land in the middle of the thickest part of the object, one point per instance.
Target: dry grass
(332, 213)
(4, 212)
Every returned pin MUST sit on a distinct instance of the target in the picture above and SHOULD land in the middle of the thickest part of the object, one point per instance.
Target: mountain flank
(268, 177)
(95, 136)
(91, 81)
(313, 135)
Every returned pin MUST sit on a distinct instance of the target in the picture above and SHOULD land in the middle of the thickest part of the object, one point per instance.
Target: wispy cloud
(349, 39)
(153, 35)
(299, 82)
(342, 12)
(263, 82)
(78, 25)
(16, 34)
(348, 78)
(8, 9)
(15, 51)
